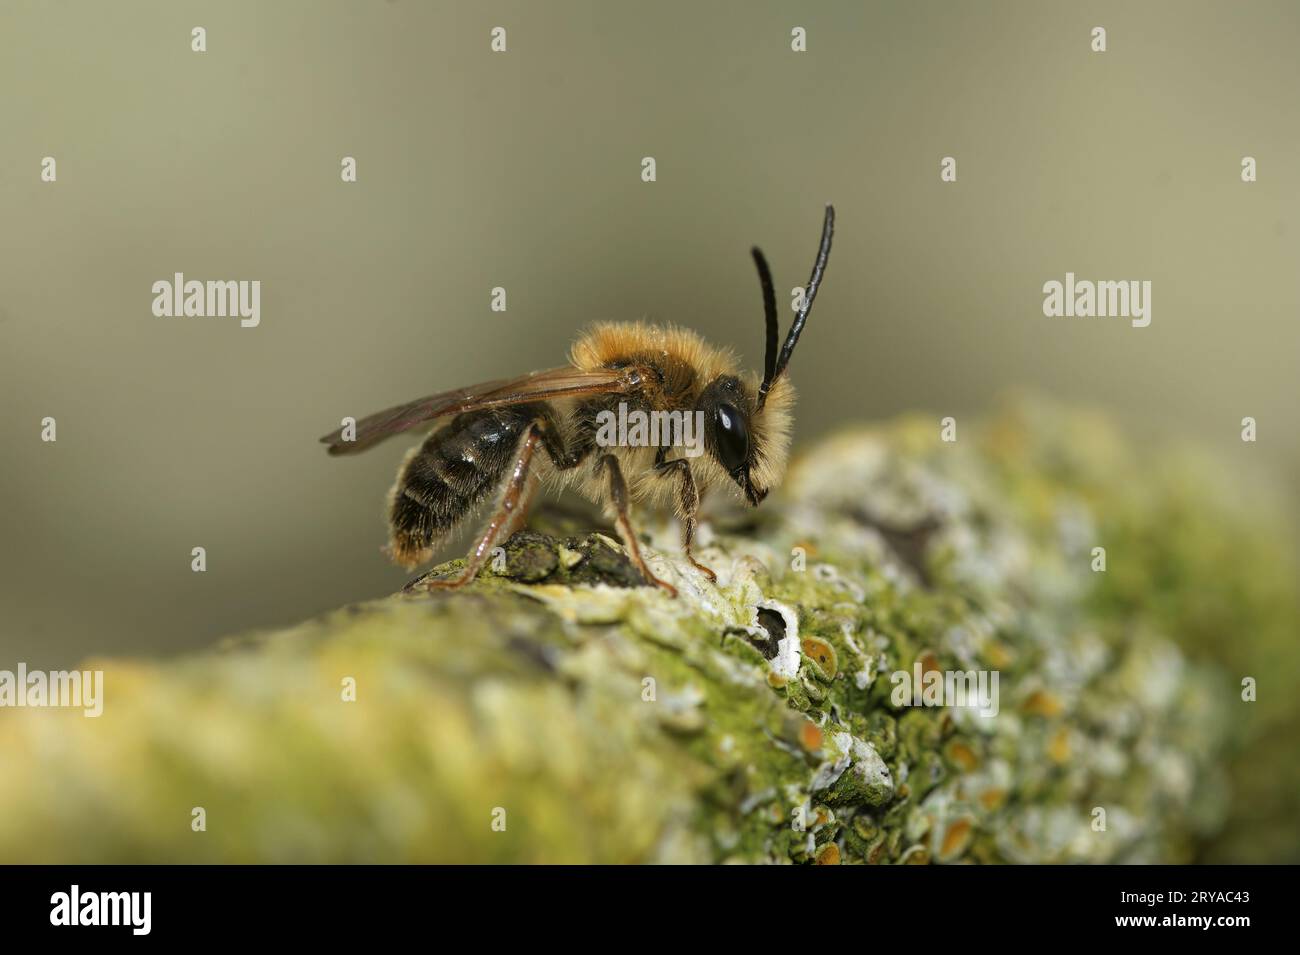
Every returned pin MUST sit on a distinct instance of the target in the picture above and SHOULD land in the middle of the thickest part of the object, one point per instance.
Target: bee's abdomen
(452, 473)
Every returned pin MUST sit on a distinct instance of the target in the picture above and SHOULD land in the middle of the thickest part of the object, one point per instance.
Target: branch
(556, 711)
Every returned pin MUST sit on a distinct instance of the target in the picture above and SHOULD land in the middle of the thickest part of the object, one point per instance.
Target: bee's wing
(536, 386)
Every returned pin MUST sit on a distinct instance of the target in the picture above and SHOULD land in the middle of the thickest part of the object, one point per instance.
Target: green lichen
(749, 720)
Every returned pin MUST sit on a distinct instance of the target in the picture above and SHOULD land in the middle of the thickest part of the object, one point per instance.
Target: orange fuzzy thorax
(688, 363)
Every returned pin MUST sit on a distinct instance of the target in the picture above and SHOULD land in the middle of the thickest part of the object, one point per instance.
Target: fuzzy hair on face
(771, 425)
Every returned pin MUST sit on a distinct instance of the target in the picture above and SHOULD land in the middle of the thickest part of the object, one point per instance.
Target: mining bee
(505, 435)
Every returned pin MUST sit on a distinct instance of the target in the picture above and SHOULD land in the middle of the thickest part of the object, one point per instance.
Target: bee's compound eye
(732, 438)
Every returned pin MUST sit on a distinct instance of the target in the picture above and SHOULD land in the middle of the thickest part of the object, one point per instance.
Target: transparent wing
(536, 386)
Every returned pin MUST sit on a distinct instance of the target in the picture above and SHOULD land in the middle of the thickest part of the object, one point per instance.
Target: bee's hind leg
(689, 507)
(510, 512)
(618, 495)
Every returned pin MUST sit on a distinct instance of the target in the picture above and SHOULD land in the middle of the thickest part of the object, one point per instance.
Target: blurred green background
(522, 170)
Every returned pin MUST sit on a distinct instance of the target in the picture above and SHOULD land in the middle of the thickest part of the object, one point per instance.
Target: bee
(505, 436)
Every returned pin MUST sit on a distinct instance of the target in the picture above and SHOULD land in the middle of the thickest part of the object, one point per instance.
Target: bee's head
(737, 435)
(747, 428)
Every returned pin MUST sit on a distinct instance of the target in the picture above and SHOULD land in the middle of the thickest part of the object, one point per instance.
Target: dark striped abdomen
(455, 469)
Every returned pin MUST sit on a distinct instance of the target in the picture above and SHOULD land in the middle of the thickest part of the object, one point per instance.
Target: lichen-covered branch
(557, 712)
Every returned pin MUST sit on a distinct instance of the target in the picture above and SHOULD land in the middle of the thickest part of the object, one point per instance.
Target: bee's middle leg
(618, 495)
(514, 502)
(689, 501)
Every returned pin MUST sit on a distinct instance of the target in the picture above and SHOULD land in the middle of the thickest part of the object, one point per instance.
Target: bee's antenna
(810, 293)
(769, 315)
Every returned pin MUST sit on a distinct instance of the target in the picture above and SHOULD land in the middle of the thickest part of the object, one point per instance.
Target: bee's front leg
(688, 507)
(618, 497)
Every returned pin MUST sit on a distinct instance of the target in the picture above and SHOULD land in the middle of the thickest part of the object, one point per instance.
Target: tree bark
(557, 711)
